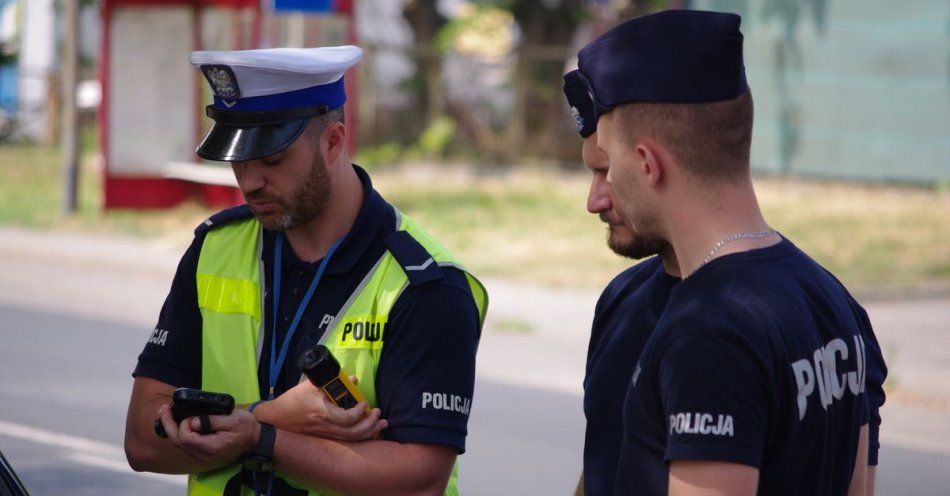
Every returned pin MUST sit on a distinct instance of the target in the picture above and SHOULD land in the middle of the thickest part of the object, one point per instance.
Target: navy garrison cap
(582, 108)
(264, 98)
(674, 56)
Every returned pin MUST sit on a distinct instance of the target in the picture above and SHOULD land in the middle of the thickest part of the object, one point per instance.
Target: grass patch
(512, 326)
(531, 224)
(865, 234)
(32, 196)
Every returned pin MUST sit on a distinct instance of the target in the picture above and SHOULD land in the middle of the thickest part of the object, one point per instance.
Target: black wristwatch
(261, 459)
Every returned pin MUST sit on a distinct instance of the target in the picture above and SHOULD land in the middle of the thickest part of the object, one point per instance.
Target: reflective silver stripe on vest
(260, 258)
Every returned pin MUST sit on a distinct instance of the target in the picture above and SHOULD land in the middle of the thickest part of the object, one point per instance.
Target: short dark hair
(319, 123)
(711, 140)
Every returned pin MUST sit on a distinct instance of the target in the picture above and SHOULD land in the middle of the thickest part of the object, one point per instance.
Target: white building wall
(36, 68)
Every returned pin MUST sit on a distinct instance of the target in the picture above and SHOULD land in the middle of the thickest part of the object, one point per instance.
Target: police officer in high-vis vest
(316, 256)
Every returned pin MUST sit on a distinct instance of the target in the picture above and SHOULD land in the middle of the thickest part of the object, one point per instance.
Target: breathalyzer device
(323, 370)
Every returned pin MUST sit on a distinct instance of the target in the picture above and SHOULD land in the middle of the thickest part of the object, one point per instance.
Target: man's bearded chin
(268, 221)
(305, 203)
(634, 246)
(287, 220)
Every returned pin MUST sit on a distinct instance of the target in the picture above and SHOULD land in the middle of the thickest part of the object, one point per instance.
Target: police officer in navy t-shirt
(626, 311)
(316, 256)
(755, 378)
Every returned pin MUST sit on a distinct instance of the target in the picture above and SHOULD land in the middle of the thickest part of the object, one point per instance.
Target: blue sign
(313, 6)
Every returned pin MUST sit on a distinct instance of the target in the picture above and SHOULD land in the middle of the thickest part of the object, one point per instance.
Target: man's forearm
(368, 467)
(861, 474)
(147, 452)
(144, 449)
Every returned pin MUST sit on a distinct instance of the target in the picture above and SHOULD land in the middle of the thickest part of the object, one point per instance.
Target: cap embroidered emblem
(222, 81)
(578, 118)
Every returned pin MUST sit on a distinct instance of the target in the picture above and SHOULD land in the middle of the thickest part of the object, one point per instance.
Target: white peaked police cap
(264, 98)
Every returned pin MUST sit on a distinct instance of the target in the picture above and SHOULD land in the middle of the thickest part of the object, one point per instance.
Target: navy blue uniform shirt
(624, 317)
(430, 343)
(758, 359)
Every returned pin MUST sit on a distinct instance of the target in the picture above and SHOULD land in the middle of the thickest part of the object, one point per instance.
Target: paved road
(63, 411)
(62, 417)
(95, 290)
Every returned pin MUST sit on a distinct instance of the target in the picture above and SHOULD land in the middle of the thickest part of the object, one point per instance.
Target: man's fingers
(168, 422)
(346, 417)
(371, 425)
(355, 424)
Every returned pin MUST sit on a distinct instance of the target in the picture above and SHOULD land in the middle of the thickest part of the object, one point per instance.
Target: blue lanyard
(277, 361)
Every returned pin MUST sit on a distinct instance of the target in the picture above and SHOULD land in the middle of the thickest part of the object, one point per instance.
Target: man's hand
(305, 409)
(232, 436)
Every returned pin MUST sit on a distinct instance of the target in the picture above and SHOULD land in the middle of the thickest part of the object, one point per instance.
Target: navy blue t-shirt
(624, 317)
(431, 335)
(758, 359)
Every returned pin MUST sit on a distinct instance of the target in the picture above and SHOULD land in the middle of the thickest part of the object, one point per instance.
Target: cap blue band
(332, 95)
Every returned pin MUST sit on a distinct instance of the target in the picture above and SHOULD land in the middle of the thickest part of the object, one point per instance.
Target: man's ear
(652, 160)
(335, 134)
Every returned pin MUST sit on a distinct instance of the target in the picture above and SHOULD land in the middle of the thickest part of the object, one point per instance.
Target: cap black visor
(239, 144)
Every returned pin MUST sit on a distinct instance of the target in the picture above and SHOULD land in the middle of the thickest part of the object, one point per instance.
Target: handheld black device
(188, 402)
(323, 370)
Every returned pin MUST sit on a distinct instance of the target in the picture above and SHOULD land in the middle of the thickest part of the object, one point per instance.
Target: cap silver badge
(578, 119)
(222, 81)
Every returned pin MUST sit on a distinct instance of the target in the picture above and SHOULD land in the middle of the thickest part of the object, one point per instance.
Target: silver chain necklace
(732, 237)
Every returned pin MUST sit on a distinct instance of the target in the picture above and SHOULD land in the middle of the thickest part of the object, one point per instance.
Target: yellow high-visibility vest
(229, 277)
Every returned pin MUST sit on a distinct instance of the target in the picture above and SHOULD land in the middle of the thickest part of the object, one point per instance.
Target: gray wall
(850, 89)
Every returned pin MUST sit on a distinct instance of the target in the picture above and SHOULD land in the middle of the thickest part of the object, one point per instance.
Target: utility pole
(70, 122)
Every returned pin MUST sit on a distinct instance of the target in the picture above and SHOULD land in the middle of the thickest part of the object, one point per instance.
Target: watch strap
(260, 460)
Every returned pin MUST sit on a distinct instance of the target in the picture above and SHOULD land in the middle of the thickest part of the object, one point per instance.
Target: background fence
(844, 89)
